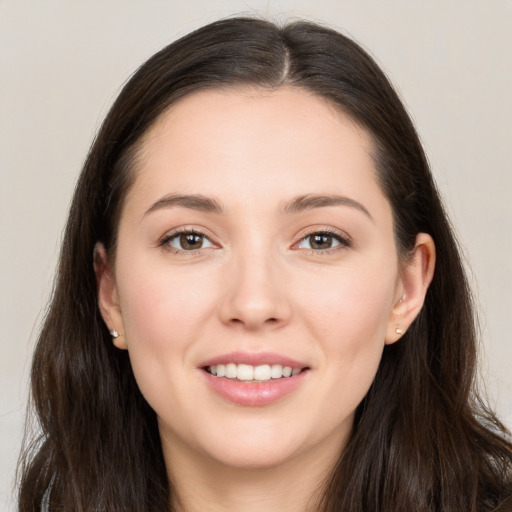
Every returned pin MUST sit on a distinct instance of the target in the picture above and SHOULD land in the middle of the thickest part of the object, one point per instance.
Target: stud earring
(399, 331)
(114, 334)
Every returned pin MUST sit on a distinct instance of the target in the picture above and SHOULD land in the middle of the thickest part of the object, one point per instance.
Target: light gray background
(62, 63)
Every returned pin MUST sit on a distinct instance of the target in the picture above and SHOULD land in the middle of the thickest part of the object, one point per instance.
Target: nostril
(271, 320)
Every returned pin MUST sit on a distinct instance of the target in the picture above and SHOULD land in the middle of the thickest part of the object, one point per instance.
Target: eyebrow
(192, 201)
(311, 201)
(296, 205)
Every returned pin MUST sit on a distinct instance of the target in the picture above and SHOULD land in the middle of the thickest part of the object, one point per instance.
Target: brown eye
(322, 241)
(188, 241)
(191, 241)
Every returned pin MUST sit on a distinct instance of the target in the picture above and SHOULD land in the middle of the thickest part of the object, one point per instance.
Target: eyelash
(343, 241)
(165, 242)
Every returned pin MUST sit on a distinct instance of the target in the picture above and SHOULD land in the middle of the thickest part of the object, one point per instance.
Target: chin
(265, 445)
(247, 442)
(253, 457)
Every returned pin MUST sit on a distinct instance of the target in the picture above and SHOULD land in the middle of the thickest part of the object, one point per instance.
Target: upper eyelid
(176, 234)
(344, 242)
(331, 231)
(165, 241)
(179, 231)
(304, 233)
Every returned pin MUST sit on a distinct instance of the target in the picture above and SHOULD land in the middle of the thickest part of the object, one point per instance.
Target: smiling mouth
(249, 373)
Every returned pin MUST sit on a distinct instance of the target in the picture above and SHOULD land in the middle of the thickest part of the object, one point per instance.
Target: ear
(108, 300)
(415, 277)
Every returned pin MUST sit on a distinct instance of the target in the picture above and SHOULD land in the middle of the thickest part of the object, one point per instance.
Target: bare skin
(256, 225)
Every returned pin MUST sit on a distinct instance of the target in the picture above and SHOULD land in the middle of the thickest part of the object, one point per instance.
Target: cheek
(349, 321)
(162, 305)
(163, 314)
(350, 306)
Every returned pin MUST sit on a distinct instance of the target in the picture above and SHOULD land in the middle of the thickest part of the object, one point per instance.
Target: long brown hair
(423, 440)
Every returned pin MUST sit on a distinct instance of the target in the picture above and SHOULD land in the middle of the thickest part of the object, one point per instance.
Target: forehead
(254, 144)
(287, 113)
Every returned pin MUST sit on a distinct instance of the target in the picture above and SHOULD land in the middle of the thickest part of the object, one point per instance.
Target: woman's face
(255, 239)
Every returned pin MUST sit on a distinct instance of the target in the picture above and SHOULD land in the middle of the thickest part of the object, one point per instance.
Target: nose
(254, 294)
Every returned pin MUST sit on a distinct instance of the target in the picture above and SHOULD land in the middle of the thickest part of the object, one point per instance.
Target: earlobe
(416, 276)
(108, 301)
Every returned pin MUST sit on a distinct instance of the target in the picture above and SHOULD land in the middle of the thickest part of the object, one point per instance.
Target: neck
(199, 483)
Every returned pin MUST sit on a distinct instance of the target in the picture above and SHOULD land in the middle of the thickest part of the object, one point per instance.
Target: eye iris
(321, 241)
(190, 241)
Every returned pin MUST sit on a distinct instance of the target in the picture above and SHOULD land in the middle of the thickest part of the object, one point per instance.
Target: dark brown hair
(423, 440)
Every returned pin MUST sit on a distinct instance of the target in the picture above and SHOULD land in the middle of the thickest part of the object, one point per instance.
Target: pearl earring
(114, 334)
(399, 331)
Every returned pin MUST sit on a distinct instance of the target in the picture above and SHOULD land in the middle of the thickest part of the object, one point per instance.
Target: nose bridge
(254, 292)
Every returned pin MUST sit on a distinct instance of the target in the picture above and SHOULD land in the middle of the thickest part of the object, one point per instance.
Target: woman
(260, 303)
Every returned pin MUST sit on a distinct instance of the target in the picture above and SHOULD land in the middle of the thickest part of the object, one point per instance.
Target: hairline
(133, 155)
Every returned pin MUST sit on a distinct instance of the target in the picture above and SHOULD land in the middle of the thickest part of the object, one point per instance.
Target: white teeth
(262, 372)
(231, 371)
(276, 371)
(247, 372)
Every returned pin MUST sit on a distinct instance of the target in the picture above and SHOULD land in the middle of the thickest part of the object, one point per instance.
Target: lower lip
(254, 393)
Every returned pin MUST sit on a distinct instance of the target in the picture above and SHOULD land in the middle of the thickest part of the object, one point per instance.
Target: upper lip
(253, 359)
